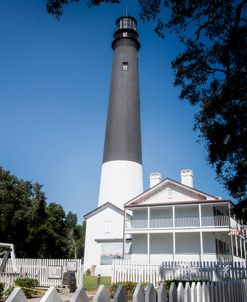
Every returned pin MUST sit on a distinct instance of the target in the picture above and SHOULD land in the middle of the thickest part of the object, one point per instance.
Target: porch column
(148, 246)
(200, 215)
(148, 217)
(232, 248)
(173, 216)
(173, 246)
(124, 224)
(244, 243)
(236, 244)
(201, 247)
(241, 248)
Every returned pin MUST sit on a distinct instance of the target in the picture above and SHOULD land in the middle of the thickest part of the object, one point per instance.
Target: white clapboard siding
(125, 270)
(38, 268)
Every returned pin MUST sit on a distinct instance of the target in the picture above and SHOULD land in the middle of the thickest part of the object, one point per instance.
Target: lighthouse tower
(121, 174)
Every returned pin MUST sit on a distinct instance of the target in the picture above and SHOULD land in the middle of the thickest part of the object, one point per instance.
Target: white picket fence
(49, 272)
(125, 270)
(222, 291)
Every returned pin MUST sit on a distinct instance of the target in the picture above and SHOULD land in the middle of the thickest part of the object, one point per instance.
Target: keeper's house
(172, 221)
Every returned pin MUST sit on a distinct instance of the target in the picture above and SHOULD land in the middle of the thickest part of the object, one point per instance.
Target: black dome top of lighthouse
(126, 28)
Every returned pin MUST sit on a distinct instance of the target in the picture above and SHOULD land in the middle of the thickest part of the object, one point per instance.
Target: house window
(107, 227)
(125, 66)
(110, 251)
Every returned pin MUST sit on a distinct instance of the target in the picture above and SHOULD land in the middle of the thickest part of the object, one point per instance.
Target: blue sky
(54, 88)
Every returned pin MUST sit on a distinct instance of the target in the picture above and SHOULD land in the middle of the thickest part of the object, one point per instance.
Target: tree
(71, 224)
(35, 229)
(212, 73)
(55, 7)
(15, 202)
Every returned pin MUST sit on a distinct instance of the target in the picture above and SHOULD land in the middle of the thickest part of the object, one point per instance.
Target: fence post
(51, 295)
(162, 293)
(193, 292)
(150, 294)
(113, 272)
(173, 293)
(180, 292)
(120, 294)
(187, 294)
(204, 292)
(224, 291)
(138, 295)
(17, 295)
(102, 295)
(198, 292)
(79, 295)
(210, 292)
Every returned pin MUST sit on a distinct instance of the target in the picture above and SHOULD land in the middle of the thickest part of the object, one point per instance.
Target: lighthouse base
(120, 181)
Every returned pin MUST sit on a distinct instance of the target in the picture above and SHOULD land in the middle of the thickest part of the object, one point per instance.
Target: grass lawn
(90, 282)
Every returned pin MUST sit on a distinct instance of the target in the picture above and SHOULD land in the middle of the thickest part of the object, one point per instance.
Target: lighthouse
(121, 173)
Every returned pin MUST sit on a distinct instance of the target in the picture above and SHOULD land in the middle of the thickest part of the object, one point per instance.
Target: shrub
(27, 285)
(129, 286)
(88, 272)
(1, 290)
(7, 292)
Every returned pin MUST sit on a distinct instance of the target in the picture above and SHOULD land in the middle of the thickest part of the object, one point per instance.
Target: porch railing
(179, 222)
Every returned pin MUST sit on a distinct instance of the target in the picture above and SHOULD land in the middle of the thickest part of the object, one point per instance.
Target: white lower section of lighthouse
(120, 181)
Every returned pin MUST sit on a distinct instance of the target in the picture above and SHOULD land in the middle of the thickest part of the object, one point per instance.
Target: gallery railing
(179, 222)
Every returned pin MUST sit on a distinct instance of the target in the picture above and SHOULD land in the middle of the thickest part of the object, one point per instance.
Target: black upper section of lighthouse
(126, 29)
(123, 131)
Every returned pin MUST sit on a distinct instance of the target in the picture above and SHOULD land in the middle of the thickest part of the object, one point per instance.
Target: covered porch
(174, 246)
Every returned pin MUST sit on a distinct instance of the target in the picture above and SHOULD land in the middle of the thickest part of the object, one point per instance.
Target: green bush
(7, 292)
(129, 286)
(1, 290)
(88, 272)
(27, 285)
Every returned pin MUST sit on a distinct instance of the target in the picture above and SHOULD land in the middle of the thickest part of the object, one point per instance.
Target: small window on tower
(125, 65)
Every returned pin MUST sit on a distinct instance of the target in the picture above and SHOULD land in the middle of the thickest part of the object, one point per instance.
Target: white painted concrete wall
(120, 181)
(207, 210)
(139, 244)
(106, 224)
(159, 213)
(161, 244)
(187, 243)
(186, 211)
(140, 214)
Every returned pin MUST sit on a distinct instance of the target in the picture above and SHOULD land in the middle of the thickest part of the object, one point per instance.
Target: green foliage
(88, 272)
(1, 290)
(36, 229)
(55, 7)
(129, 286)
(7, 292)
(27, 285)
(212, 73)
